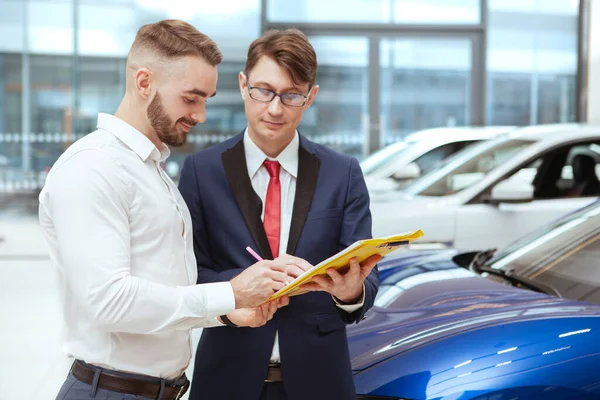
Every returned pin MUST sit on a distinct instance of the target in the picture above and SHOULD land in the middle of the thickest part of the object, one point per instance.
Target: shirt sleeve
(88, 201)
(350, 308)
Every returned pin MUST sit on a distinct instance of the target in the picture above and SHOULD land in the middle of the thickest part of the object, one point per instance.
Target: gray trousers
(74, 389)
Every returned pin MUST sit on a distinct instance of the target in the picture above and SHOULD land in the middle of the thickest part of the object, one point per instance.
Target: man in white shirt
(291, 200)
(120, 234)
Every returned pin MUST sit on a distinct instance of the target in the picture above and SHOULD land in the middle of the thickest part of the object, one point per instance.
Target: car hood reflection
(442, 309)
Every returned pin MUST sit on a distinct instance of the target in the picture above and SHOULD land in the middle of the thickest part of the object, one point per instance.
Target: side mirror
(512, 191)
(407, 172)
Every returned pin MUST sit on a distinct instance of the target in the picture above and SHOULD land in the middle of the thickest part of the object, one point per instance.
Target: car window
(581, 172)
(569, 171)
(433, 159)
(382, 157)
(466, 168)
(564, 255)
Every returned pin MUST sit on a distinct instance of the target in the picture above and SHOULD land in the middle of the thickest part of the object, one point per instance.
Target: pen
(254, 254)
(259, 258)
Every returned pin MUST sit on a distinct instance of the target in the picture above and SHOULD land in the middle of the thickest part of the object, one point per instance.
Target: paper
(362, 250)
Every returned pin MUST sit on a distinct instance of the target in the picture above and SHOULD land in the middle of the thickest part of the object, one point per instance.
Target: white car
(396, 165)
(496, 191)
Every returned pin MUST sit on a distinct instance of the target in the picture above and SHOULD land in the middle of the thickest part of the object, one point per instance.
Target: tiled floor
(32, 366)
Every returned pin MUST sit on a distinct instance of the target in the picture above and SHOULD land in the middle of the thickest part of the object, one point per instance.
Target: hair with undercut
(173, 38)
(290, 49)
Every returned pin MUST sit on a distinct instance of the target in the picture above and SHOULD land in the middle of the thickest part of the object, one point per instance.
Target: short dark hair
(290, 49)
(173, 38)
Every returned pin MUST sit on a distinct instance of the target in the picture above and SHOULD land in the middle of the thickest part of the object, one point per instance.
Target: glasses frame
(275, 94)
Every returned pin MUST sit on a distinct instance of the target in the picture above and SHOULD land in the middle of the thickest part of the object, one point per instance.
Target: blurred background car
(396, 165)
(495, 191)
(520, 324)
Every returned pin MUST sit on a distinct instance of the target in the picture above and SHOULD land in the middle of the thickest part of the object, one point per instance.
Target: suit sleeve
(356, 225)
(190, 190)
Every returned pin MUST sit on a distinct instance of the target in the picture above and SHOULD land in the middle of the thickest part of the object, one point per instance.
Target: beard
(164, 126)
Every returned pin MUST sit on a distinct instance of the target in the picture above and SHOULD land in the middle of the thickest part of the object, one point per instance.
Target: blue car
(523, 323)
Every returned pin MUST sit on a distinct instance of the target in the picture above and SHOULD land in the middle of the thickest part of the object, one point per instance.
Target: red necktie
(272, 219)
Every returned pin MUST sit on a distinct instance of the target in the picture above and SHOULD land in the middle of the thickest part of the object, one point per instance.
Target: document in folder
(362, 250)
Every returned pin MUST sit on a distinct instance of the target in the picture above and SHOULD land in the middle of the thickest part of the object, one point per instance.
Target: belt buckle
(273, 367)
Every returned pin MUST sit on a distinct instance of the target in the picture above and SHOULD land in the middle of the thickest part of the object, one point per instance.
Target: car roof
(545, 131)
(455, 134)
(555, 134)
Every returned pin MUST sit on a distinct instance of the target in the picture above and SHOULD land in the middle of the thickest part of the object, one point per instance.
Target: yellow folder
(361, 249)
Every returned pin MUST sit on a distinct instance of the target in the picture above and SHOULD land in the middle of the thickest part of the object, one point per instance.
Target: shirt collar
(134, 139)
(288, 158)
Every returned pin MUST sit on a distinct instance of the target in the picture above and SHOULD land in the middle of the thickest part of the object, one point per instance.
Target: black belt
(274, 373)
(111, 380)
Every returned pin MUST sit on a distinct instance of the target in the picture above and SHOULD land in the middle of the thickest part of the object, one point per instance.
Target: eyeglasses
(266, 96)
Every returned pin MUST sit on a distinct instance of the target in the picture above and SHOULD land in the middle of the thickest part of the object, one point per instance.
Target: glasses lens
(261, 94)
(295, 100)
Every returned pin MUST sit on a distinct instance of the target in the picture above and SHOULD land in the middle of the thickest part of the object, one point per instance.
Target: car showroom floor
(32, 365)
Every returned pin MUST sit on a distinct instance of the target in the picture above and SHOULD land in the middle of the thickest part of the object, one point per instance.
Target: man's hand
(255, 317)
(348, 287)
(258, 282)
(294, 266)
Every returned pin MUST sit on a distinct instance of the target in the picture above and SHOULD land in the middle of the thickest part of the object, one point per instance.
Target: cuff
(350, 308)
(219, 298)
(210, 299)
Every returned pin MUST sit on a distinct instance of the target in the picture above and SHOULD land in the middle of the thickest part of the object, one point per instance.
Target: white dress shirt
(120, 236)
(288, 173)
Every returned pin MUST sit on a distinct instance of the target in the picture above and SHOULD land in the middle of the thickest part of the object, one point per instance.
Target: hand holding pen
(257, 283)
(294, 266)
(259, 258)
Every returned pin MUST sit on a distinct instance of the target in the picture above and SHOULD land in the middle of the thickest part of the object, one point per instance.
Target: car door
(482, 225)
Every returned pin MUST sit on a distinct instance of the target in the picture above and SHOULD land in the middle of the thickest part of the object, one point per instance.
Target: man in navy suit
(272, 189)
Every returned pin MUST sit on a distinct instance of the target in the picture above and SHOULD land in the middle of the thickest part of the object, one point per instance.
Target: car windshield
(467, 167)
(383, 157)
(563, 255)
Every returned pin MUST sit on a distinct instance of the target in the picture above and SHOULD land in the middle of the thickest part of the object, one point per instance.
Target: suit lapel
(308, 172)
(247, 199)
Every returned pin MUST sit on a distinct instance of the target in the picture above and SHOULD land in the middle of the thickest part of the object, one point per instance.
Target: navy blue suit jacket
(330, 212)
